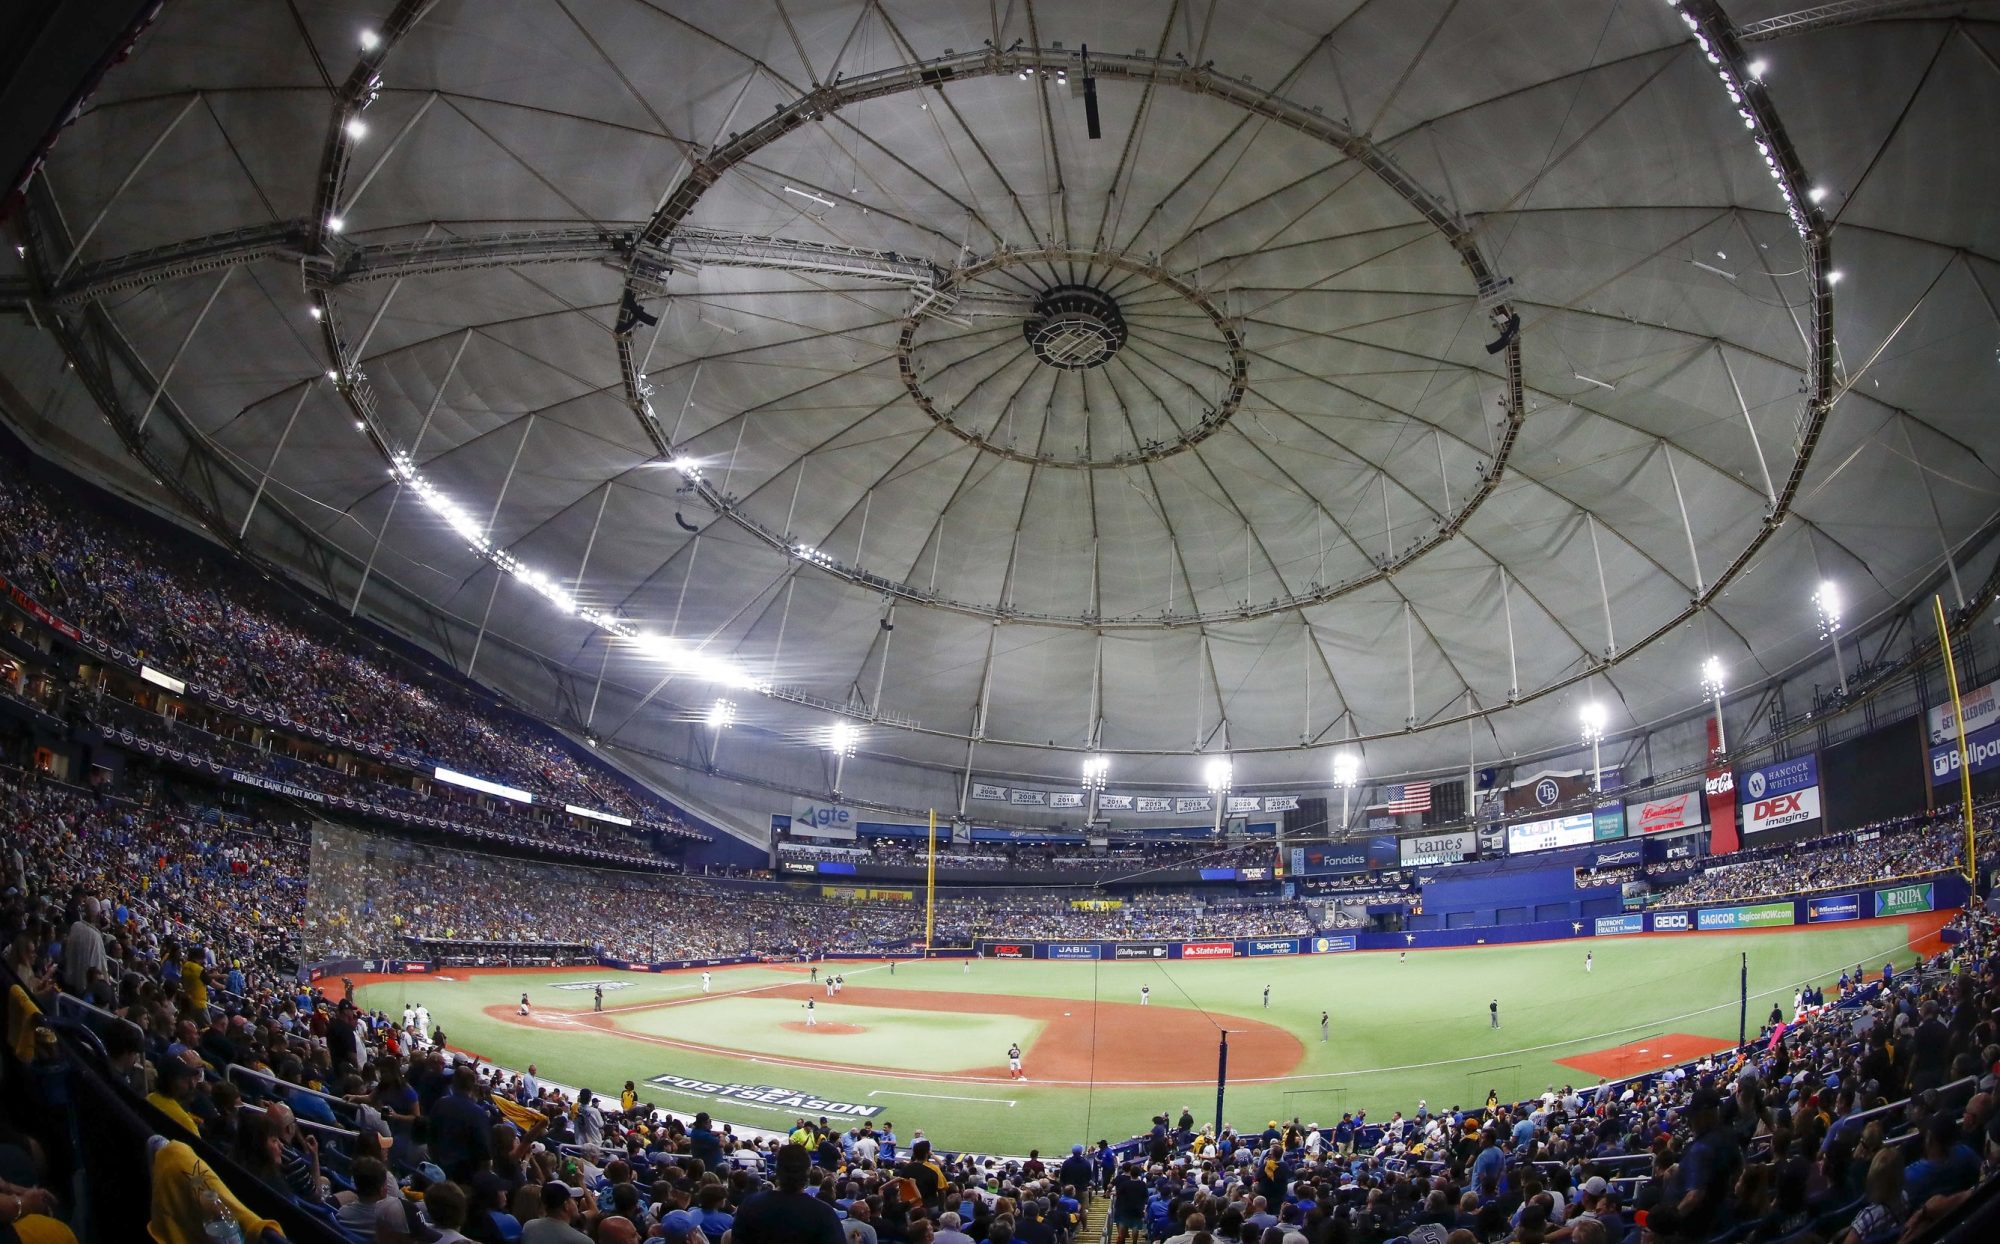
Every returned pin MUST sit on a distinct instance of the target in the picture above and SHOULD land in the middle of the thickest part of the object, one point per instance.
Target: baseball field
(923, 1044)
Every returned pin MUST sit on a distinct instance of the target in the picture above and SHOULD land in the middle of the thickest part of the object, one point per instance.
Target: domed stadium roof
(824, 339)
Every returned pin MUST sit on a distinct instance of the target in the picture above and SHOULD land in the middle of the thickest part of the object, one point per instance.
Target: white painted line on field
(997, 1101)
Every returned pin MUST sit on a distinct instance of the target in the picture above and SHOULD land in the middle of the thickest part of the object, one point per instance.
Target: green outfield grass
(1401, 1030)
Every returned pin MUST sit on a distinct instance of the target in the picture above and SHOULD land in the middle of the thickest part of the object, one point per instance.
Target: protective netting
(347, 877)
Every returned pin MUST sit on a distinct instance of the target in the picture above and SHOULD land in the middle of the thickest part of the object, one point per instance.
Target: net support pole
(1964, 760)
(930, 887)
(1743, 1002)
(1221, 1078)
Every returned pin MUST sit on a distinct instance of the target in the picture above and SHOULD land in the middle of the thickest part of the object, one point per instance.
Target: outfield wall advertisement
(1902, 900)
(1982, 709)
(1428, 849)
(1608, 926)
(1073, 950)
(1748, 916)
(1208, 950)
(1271, 946)
(1833, 907)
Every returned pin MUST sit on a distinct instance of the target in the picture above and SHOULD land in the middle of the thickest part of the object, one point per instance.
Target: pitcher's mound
(1651, 1054)
(825, 1026)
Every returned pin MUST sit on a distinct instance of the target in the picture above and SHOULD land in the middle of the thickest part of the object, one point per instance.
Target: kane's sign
(783, 1100)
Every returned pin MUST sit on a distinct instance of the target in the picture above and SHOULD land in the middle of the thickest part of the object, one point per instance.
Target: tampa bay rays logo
(1547, 792)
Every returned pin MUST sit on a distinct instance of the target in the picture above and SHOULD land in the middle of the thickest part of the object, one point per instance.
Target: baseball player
(704, 982)
(1014, 1062)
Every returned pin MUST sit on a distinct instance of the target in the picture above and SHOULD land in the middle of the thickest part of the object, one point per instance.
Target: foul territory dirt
(1638, 1057)
(1080, 1041)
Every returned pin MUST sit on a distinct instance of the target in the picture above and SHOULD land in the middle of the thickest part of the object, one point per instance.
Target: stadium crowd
(1833, 862)
(238, 643)
(182, 928)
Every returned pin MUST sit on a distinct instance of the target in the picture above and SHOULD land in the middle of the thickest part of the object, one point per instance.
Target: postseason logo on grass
(606, 986)
(783, 1100)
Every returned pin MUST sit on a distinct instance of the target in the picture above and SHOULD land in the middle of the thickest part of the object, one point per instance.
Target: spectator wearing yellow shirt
(175, 1089)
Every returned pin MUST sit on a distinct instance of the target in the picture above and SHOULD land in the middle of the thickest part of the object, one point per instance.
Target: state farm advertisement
(1657, 816)
(1208, 950)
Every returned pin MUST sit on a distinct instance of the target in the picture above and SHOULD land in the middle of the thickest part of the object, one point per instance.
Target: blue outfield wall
(1940, 892)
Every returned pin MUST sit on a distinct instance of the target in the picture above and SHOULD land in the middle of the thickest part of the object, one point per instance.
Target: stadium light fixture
(1220, 775)
(1712, 686)
(840, 740)
(721, 715)
(1826, 611)
(370, 40)
(1592, 716)
(317, 313)
(1096, 772)
(356, 128)
(336, 224)
(1346, 773)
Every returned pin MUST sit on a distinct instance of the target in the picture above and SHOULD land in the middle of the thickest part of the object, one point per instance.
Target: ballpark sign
(765, 1096)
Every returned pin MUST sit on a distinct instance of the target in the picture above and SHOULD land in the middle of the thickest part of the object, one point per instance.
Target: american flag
(1415, 797)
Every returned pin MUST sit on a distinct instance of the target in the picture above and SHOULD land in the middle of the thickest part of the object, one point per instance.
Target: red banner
(33, 608)
(1208, 950)
(1720, 787)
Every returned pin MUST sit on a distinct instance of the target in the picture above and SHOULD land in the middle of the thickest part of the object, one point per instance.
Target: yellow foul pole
(930, 886)
(1964, 758)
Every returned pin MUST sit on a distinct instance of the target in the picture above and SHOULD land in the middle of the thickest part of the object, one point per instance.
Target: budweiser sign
(1659, 815)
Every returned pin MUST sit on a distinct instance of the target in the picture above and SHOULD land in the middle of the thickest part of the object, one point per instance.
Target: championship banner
(1333, 944)
(1114, 803)
(1194, 803)
(1610, 926)
(1749, 916)
(1244, 803)
(1904, 899)
(1271, 946)
(1066, 799)
(1040, 797)
(1833, 907)
(1139, 950)
(814, 819)
(1150, 803)
(1208, 950)
(990, 792)
(1281, 803)
(765, 1096)
(1428, 849)
(1982, 748)
(1657, 816)
(1982, 709)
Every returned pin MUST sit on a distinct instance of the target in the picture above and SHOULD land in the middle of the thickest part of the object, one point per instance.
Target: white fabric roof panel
(1589, 147)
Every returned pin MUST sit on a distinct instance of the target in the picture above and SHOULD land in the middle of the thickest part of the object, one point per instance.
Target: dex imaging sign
(1786, 793)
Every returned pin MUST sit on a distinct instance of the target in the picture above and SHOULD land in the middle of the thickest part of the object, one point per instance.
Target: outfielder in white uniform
(1145, 994)
(704, 982)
